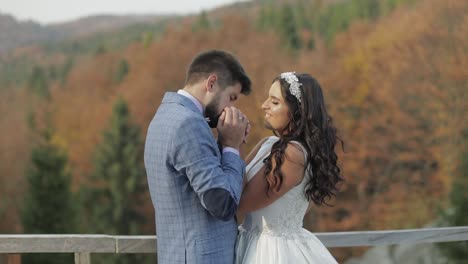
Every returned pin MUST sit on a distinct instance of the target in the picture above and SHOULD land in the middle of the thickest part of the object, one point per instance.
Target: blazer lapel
(176, 98)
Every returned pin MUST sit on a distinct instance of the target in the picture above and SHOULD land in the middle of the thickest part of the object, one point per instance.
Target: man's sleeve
(218, 183)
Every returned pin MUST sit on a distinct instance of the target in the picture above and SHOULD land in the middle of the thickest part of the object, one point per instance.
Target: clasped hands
(233, 127)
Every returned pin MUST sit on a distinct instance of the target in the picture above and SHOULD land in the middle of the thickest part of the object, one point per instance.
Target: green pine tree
(122, 70)
(202, 22)
(49, 207)
(262, 19)
(391, 4)
(38, 82)
(288, 28)
(101, 49)
(267, 19)
(118, 182)
(148, 38)
(374, 8)
(52, 72)
(457, 215)
(304, 20)
(311, 43)
(360, 7)
(65, 70)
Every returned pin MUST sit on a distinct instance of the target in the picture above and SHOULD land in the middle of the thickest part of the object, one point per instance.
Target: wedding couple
(198, 184)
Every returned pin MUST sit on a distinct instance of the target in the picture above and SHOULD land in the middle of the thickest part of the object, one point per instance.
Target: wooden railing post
(82, 258)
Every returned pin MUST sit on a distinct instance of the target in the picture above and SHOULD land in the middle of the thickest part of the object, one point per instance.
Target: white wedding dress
(274, 234)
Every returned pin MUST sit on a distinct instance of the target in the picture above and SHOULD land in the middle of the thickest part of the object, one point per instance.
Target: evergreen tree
(302, 17)
(262, 19)
(373, 7)
(148, 38)
(101, 49)
(361, 8)
(52, 72)
(267, 18)
(391, 4)
(117, 181)
(337, 18)
(202, 22)
(38, 82)
(311, 43)
(49, 206)
(65, 69)
(122, 71)
(457, 215)
(288, 28)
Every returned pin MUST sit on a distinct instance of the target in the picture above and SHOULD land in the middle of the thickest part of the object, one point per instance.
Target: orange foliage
(396, 90)
(14, 157)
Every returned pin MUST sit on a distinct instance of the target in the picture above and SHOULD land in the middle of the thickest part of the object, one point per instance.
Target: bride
(286, 174)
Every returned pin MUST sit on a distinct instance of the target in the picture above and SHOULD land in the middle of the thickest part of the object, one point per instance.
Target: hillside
(395, 84)
(16, 33)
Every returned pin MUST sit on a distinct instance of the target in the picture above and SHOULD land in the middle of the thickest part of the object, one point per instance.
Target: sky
(53, 11)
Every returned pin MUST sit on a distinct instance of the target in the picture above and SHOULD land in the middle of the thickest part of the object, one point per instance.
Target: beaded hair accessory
(294, 84)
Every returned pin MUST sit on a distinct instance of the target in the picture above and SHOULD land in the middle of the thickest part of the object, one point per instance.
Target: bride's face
(276, 109)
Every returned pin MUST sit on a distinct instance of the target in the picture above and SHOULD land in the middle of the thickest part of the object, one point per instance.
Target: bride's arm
(252, 155)
(255, 195)
(254, 151)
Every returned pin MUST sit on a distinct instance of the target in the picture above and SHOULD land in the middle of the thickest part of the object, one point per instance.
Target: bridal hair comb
(294, 84)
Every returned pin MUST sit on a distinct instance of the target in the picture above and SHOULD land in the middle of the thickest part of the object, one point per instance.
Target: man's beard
(211, 112)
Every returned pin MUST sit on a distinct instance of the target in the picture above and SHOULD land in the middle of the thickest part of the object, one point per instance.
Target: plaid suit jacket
(182, 162)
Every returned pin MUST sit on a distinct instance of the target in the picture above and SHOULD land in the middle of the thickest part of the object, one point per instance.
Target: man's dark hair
(226, 66)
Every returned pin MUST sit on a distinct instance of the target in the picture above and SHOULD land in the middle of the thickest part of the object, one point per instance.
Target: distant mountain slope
(92, 24)
(14, 33)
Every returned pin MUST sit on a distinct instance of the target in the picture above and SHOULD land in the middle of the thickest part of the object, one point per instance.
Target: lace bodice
(285, 216)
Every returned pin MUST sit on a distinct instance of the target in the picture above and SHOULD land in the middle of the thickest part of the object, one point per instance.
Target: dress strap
(257, 162)
(308, 173)
(297, 143)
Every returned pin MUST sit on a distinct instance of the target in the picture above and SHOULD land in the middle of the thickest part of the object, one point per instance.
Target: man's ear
(211, 81)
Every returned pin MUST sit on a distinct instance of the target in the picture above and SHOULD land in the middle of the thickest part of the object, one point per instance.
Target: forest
(74, 113)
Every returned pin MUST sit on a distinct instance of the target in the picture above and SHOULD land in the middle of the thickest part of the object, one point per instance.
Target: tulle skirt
(295, 247)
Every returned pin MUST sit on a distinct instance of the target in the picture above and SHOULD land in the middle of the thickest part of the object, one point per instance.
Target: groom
(195, 186)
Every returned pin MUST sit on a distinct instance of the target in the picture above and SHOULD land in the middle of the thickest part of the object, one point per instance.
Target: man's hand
(232, 127)
(247, 132)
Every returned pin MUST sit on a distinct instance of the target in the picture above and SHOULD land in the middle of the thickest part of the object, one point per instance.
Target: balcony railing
(84, 245)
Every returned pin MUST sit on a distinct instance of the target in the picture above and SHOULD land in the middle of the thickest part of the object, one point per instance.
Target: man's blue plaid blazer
(183, 162)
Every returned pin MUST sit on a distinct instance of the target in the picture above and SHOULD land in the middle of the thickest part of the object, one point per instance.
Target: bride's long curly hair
(310, 125)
